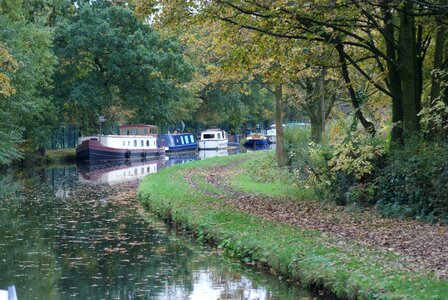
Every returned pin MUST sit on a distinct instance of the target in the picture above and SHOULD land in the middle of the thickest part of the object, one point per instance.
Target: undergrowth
(348, 269)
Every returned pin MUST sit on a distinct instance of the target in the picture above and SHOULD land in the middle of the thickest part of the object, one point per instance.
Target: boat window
(145, 131)
(219, 135)
(176, 140)
(124, 143)
(154, 143)
(191, 138)
(129, 143)
(209, 136)
(182, 139)
(147, 170)
(147, 143)
(135, 143)
(142, 143)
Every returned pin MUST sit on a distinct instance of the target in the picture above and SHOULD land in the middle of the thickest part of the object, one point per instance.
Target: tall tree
(112, 64)
(29, 113)
(393, 35)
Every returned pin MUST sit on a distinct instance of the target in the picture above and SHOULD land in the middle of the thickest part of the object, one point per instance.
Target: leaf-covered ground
(423, 247)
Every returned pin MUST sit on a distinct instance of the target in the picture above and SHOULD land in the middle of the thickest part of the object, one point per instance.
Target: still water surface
(78, 233)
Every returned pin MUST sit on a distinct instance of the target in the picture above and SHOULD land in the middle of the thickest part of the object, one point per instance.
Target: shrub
(307, 160)
(415, 181)
(354, 165)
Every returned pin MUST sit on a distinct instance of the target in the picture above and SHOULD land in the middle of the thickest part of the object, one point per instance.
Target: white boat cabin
(135, 136)
(213, 139)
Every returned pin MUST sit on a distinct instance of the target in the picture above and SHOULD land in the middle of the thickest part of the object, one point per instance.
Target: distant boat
(256, 140)
(179, 142)
(271, 134)
(134, 141)
(213, 139)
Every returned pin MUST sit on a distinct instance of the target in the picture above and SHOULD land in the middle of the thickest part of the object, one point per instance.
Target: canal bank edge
(308, 256)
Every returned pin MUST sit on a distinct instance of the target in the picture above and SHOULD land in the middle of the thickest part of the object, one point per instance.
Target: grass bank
(54, 157)
(349, 269)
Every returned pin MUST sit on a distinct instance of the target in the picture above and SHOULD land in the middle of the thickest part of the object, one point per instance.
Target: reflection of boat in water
(180, 142)
(256, 140)
(174, 160)
(119, 173)
(213, 139)
(212, 153)
(134, 142)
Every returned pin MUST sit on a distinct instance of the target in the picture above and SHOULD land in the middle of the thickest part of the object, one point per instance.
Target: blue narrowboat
(256, 141)
(179, 142)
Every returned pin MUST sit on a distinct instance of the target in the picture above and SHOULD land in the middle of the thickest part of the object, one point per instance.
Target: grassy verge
(54, 157)
(61, 155)
(350, 271)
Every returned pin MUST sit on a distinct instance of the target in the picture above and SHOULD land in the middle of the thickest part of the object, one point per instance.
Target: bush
(354, 165)
(415, 182)
(406, 182)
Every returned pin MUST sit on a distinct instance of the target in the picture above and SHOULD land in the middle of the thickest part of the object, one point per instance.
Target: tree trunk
(393, 77)
(408, 71)
(317, 129)
(368, 126)
(279, 152)
(318, 112)
(438, 61)
(419, 58)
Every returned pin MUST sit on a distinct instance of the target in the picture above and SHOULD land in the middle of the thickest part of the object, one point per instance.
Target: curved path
(424, 247)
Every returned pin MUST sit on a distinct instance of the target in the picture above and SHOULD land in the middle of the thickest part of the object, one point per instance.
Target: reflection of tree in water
(26, 258)
(65, 239)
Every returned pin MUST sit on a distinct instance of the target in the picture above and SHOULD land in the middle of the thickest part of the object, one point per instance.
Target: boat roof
(138, 126)
(213, 129)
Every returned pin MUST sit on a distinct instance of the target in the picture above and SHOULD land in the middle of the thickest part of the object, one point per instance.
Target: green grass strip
(352, 271)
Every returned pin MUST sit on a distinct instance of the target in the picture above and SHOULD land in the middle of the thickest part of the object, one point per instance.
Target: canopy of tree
(111, 64)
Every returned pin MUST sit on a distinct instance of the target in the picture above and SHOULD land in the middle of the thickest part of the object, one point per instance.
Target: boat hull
(256, 143)
(93, 150)
(213, 144)
(182, 148)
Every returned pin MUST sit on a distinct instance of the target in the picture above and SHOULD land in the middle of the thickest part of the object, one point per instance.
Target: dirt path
(423, 246)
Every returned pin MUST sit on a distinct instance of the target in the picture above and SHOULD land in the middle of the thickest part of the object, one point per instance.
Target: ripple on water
(65, 238)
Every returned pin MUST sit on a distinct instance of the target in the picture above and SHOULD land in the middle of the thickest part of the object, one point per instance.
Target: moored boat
(180, 142)
(134, 141)
(256, 140)
(213, 139)
(271, 134)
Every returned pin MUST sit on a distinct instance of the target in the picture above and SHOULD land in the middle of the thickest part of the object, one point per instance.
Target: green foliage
(308, 161)
(28, 114)
(434, 118)
(339, 173)
(415, 182)
(10, 137)
(357, 156)
(112, 64)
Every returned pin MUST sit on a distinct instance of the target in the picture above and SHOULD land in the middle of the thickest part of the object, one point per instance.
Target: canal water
(77, 232)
